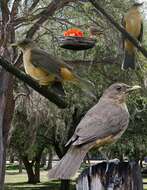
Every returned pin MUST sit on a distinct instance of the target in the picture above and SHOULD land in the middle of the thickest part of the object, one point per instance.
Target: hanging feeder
(74, 39)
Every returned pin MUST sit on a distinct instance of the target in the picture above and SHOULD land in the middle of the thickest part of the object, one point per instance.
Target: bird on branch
(133, 24)
(103, 124)
(48, 69)
(94, 31)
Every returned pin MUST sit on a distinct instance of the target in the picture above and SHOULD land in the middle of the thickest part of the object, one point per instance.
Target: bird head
(24, 44)
(119, 91)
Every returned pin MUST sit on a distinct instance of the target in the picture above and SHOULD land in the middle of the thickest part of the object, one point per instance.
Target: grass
(16, 181)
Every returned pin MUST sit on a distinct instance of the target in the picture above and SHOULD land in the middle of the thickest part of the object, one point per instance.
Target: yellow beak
(134, 88)
(14, 45)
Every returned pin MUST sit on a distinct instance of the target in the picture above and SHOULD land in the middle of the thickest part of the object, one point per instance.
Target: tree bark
(37, 165)
(20, 166)
(12, 158)
(33, 168)
(43, 160)
(59, 101)
(50, 157)
(119, 176)
(37, 171)
(29, 169)
(6, 110)
(2, 108)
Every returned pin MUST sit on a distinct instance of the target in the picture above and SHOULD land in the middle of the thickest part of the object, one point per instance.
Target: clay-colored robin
(103, 124)
(47, 69)
(133, 24)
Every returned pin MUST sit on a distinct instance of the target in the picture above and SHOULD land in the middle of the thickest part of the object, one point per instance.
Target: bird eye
(118, 88)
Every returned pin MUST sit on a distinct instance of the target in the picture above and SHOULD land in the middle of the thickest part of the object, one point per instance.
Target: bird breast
(35, 72)
(133, 23)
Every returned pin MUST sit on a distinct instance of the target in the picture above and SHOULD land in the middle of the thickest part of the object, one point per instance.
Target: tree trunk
(33, 175)
(6, 114)
(43, 160)
(50, 157)
(29, 169)
(20, 166)
(37, 170)
(11, 159)
(2, 107)
(120, 176)
(65, 185)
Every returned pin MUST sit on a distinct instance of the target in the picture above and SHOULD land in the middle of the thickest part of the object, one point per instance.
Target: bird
(102, 125)
(133, 23)
(94, 31)
(47, 69)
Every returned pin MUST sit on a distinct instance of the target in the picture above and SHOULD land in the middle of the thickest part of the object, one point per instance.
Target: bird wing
(141, 33)
(47, 62)
(100, 122)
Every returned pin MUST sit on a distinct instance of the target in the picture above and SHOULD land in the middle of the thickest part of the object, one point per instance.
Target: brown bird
(94, 31)
(47, 69)
(103, 124)
(133, 24)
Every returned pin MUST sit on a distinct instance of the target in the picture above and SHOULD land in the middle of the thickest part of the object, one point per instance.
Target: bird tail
(69, 164)
(129, 60)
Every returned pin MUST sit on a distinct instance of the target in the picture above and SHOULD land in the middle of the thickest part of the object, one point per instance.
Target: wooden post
(120, 176)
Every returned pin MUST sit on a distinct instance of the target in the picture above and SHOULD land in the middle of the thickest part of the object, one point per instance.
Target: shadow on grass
(14, 173)
(53, 185)
(27, 186)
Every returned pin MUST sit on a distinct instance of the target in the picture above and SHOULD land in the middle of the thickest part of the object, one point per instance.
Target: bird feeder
(74, 39)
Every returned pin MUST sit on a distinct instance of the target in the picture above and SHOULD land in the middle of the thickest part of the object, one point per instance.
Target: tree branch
(43, 16)
(134, 41)
(14, 9)
(50, 95)
(34, 4)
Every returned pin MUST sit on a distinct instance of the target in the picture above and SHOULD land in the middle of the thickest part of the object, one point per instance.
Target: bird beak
(132, 88)
(14, 45)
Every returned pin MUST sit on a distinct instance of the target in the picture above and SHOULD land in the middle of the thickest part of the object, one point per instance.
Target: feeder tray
(76, 43)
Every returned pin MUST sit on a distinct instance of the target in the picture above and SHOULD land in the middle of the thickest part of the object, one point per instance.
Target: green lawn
(15, 181)
(145, 181)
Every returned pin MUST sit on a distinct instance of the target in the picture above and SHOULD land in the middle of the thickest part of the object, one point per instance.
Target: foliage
(38, 123)
(15, 181)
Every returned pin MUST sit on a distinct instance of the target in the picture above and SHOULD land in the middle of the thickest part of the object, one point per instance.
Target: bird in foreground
(47, 69)
(103, 124)
(133, 24)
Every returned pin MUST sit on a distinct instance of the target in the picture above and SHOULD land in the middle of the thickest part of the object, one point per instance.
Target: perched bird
(103, 124)
(47, 69)
(94, 31)
(133, 24)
